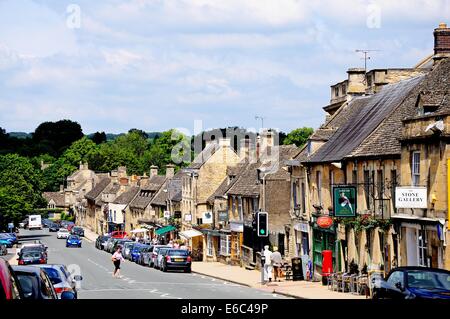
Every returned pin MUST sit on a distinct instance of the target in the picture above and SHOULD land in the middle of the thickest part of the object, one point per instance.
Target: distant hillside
(112, 136)
(19, 135)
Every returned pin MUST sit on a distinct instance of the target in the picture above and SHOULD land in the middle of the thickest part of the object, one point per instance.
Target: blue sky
(155, 65)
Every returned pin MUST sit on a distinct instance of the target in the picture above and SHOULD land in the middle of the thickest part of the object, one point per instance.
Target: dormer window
(344, 89)
(336, 91)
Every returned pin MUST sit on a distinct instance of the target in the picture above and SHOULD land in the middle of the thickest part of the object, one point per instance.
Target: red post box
(327, 265)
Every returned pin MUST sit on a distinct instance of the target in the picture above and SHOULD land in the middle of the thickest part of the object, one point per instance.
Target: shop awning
(139, 230)
(188, 234)
(164, 230)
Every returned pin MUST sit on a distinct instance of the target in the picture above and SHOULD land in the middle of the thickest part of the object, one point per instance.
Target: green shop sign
(344, 201)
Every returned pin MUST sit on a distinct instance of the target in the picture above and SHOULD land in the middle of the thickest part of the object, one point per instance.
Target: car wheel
(187, 270)
(165, 269)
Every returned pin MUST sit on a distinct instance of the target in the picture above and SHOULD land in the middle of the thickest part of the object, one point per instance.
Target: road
(138, 282)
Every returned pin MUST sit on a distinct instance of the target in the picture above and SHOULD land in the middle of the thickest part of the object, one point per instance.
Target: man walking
(276, 260)
(267, 264)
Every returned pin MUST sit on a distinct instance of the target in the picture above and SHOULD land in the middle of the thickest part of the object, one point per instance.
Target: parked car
(30, 257)
(62, 233)
(61, 278)
(176, 259)
(46, 223)
(3, 250)
(136, 252)
(127, 248)
(413, 283)
(110, 244)
(77, 231)
(54, 227)
(32, 247)
(120, 242)
(13, 236)
(155, 254)
(100, 241)
(73, 241)
(6, 240)
(144, 255)
(159, 257)
(35, 283)
(9, 283)
(118, 234)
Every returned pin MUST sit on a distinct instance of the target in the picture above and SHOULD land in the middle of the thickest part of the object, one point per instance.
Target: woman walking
(117, 258)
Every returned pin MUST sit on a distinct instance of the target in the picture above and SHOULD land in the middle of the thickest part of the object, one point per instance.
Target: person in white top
(267, 264)
(116, 259)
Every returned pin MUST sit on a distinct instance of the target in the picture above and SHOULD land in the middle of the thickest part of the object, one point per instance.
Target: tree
(99, 137)
(58, 135)
(298, 136)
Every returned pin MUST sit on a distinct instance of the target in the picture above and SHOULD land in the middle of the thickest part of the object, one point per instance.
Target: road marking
(186, 283)
(154, 291)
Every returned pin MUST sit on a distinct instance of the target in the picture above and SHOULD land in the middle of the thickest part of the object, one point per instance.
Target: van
(34, 222)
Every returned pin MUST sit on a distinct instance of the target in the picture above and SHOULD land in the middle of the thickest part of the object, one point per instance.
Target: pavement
(137, 282)
(252, 278)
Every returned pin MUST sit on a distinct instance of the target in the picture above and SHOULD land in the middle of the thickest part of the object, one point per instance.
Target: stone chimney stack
(246, 150)
(224, 142)
(170, 170)
(267, 139)
(441, 42)
(153, 170)
(356, 81)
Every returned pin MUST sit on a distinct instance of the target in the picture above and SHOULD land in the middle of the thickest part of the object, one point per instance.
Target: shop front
(324, 238)
(211, 243)
(165, 234)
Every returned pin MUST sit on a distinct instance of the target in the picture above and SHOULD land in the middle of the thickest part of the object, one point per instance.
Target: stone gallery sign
(411, 197)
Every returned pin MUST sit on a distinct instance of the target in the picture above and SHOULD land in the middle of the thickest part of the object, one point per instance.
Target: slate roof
(173, 187)
(361, 124)
(126, 197)
(98, 188)
(57, 197)
(154, 183)
(285, 152)
(247, 183)
(204, 155)
(385, 139)
(322, 134)
(142, 200)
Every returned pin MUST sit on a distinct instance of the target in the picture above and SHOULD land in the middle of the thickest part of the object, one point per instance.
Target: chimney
(122, 171)
(267, 139)
(441, 42)
(170, 170)
(224, 142)
(153, 170)
(356, 81)
(245, 150)
(61, 188)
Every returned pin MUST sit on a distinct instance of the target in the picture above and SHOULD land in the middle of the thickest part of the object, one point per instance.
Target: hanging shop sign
(166, 214)
(411, 197)
(324, 221)
(207, 218)
(187, 217)
(344, 201)
(177, 214)
(223, 216)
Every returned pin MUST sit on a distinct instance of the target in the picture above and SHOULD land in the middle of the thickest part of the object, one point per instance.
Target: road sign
(262, 224)
(10, 225)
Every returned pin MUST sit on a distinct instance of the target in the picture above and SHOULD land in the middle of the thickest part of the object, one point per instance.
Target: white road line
(154, 291)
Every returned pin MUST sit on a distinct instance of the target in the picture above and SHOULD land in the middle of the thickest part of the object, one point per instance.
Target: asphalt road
(137, 282)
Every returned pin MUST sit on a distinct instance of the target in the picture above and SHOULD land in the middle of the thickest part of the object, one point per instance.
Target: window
(331, 179)
(396, 277)
(343, 89)
(367, 187)
(319, 186)
(303, 198)
(415, 168)
(255, 204)
(336, 91)
(225, 245)
(422, 246)
(380, 186)
(393, 182)
(294, 194)
(210, 246)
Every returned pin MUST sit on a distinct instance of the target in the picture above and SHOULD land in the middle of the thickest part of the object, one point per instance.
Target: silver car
(61, 278)
(153, 260)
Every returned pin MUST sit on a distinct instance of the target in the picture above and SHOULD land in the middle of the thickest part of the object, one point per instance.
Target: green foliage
(298, 136)
(67, 217)
(364, 222)
(98, 137)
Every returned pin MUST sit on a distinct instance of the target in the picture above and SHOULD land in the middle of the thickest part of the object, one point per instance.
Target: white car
(62, 233)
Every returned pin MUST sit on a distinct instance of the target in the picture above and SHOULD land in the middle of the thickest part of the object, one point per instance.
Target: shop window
(422, 246)
(210, 246)
(319, 186)
(225, 245)
(415, 168)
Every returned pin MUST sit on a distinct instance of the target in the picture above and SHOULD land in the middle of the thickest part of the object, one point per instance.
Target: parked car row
(8, 239)
(36, 282)
(162, 257)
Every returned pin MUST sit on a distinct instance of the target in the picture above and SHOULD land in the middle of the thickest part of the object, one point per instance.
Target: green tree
(98, 137)
(298, 136)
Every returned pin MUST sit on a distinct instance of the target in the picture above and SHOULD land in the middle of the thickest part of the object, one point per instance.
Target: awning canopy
(188, 234)
(139, 230)
(164, 230)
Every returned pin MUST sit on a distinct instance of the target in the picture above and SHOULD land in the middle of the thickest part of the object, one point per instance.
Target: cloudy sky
(157, 64)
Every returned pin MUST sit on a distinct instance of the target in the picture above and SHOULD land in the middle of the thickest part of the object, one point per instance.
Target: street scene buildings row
(385, 135)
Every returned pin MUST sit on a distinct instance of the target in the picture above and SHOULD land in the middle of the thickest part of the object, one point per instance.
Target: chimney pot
(153, 170)
(170, 170)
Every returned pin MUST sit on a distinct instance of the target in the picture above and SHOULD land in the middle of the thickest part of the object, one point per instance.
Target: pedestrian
(116, 259)
(267, 264)
(276, 260)
(170, 244)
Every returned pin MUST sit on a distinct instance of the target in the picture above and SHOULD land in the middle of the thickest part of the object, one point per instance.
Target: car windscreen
(73, 237)
(178, 252)
(421, 279)
(63, 230)
(32, 254)
(53, 274)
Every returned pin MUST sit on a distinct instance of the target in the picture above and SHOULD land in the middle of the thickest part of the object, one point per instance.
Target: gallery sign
(411, 197)
(344, 201)
(207, 218)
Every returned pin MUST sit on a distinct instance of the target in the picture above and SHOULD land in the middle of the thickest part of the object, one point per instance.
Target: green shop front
(324, 238)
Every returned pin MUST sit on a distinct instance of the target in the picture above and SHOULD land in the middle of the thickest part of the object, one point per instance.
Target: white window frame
(422, 249)
(225, 245)
(415, 168)
(319, 186)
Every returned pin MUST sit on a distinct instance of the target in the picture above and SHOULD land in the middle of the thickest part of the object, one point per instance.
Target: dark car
(9, 284)
(73, 241)
(413, 283)
(3, 250)
(33, 247)
(35, 283)
(179, 259)
(100, 241)
(144, 255)
(53, 227)
(46, 223)
(136, 252)
(31, 257)
(119, 242)
(77, 231)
